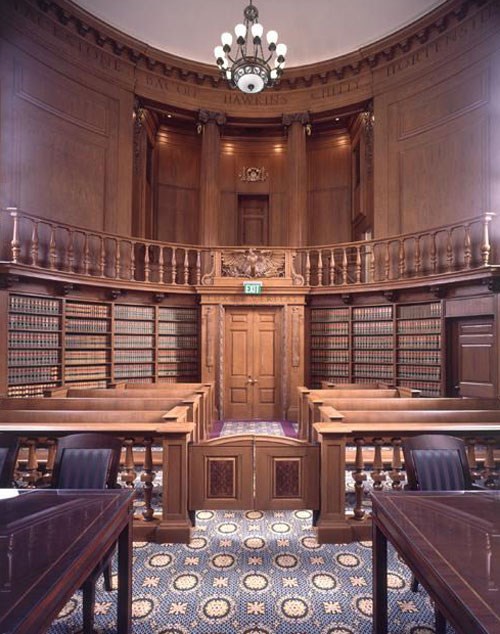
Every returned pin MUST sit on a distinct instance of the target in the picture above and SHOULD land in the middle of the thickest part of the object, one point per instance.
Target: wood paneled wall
(177, 186)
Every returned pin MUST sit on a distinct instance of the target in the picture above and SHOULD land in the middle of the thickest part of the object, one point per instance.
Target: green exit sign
(252, 288)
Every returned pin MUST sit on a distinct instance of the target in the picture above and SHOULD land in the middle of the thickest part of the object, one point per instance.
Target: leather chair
(9, 446)
(436, 463)
(89, 461)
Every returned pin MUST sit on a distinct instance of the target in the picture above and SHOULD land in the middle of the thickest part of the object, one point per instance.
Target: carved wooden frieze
(253, 174)
(253, 263)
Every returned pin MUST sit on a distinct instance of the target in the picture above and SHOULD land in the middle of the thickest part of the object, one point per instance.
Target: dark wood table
(50, 542)
(451, 542)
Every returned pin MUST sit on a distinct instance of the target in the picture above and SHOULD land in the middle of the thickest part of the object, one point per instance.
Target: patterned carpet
(271, 428)
(256, 573)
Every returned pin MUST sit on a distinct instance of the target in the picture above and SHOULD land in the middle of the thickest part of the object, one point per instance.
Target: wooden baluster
(34, 243)
(378, 475)
(129, 476)
(308, 268)
(396, 474)
(358, 264)
(174, 265)
(51, 456)
(387, 263)
(186, 267)
(489, 472)
(344, 265)
(433, 253)
(470, 444)
(52, 248)
(118, 246)
(359, 477)
(372, 264)
(486, 246)
(32, 474)
(147, 268)
(332, 267)
(86, 255)
(70, 254)
(161, 267)
(449, 251)
(198, 267)
(132, 260)
(402, 258)
(467, 247)
(15, 247)
(320, 268)
(102, 258)
(418, 256)
(147, 478)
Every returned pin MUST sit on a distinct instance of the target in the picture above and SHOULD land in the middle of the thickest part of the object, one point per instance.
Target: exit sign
(252, 288)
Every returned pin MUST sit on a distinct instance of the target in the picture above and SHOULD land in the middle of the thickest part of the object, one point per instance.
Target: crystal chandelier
(250, 68)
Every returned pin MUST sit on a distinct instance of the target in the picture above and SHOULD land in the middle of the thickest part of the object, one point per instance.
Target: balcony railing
(58, 248)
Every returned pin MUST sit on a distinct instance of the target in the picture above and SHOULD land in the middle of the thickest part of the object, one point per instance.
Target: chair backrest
(86, 461)
(9, 446)
(436, 463)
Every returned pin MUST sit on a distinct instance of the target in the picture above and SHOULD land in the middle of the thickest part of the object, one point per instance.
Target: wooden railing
(55, 247)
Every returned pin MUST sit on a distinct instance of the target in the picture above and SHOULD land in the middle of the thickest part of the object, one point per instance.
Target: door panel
(253, 222)
(476, 357)
(252, 353)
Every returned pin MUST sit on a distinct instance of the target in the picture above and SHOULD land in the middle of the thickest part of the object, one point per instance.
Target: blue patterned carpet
(256, 573)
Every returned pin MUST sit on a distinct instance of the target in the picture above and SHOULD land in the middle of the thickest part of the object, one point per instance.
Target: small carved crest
(253, 174)
(253, 263)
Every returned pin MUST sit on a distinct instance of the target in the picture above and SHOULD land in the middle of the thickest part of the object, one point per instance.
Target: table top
(451, 540)
(50, 541)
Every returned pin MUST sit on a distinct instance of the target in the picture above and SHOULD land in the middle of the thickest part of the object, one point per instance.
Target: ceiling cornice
(114, 42)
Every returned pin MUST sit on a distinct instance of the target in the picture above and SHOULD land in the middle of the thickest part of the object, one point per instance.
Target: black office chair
(88, 461)
(436, 463)
(9, 447)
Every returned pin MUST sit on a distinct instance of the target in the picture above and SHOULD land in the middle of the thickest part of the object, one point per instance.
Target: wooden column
(142, 185)
(208, 125)
(297, 128)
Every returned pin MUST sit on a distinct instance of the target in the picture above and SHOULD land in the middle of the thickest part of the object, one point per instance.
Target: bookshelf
(418, 347)
(178, 344)
(34, 345)
(134, 343)
(372, 344)
(329, 359)
(87, 344)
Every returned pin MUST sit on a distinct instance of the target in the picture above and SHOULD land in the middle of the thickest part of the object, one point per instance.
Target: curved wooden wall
(71, 150)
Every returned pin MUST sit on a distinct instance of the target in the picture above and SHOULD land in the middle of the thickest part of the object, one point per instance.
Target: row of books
(34, 305)
(22, 321)
(38, 374)
(373, 371)
(329, 314)
(34, 340)
(184, 373)
(122, 372)
(172, 354)
(19, 358)
(373, 356)
(177, 314)
(74, 357)
(177, 328)
(419, 372)
(96, 311)
(337, 370)
(418, 326)
(432, 357)
(425, 342)
(72, 373)
(92, 326)
(146, 313)
(86, 341)
(372, 342)
(428, 388)
(135, 327)
(331, 343)
(134, 341)
(133, 356)
(91, 383)
(420, 311)
(325, 355)
(187, 341)
(372, 328)
(372, 313)
(330, 328)
(181, 366)
(33, 390)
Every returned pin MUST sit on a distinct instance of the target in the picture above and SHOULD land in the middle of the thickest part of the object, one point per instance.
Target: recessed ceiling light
(169, 116)
(337, 118)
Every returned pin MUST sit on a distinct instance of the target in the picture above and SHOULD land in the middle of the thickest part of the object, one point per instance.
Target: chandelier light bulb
(226, 39)
(219, 52)
(240, 31)
(274, 74)
(281, 50)
(257, 30)
(272, 37)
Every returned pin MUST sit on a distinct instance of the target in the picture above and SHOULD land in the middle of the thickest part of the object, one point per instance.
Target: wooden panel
(238, 364)
(477, 358)
(253, 220)
(286, 477)
(267, 337)
(220, 477)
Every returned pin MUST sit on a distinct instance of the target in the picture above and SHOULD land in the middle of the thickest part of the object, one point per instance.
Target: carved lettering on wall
(266, 99)
(334, 89)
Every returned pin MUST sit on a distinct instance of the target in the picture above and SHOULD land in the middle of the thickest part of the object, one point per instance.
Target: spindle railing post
(402, 258)
(433, 252)
(15, 246)
(173, 265)
(387, 262)
(186, 267)
(358, 264)
(34, 244)
(86, 255)
(396, 474)
(161, 267)
(118, 245)
(320, 268)
(344, 265)
(130, 474)
(52, 248)
(332, 267)
(147, 268)
(485, 245)
(359, 477)
(308, 269)
(147, 478)
(418, 256)
(132, 259)
(198, 267)
(70, 252)
(378, 475)
(102, 256)
(449, 251)
(467, 247)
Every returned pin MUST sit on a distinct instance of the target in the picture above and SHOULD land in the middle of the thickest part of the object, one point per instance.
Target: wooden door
(253, 220)
(472, 358)
(251, 363)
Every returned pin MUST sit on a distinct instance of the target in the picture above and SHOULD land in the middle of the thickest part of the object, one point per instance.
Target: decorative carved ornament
(253, 263)
(253, 174)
